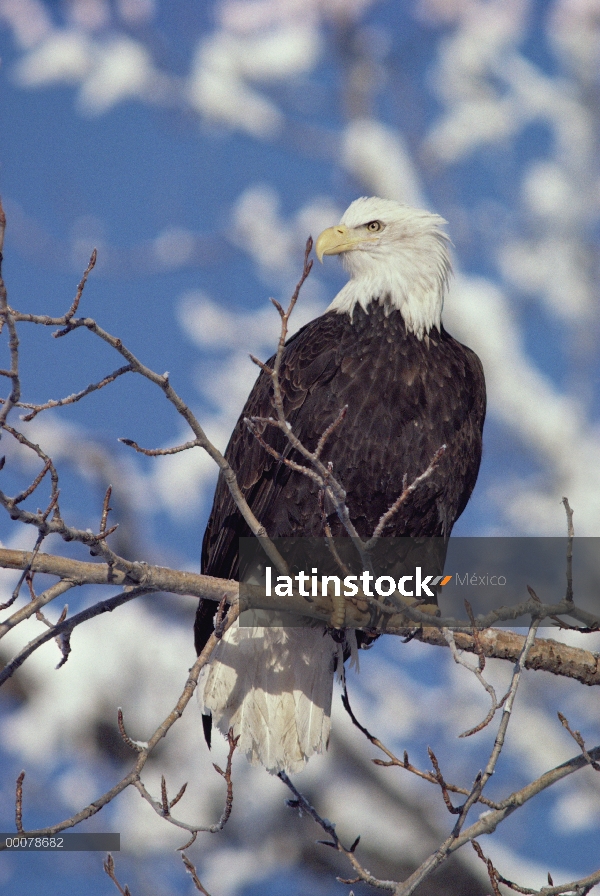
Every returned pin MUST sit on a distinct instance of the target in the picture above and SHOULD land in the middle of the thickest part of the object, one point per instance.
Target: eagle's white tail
(273, 687)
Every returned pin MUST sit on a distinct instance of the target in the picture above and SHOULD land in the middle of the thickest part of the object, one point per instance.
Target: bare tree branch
(300, 802)
(7, 317)
(163, 808)
(576, 735)
(190, 868)
(570, 537)
(68, 324)
(109, 867)
(487, 822)
(477, 671)
(403, 497)
(404, 763)
(546, 654)
(143, 754)
(63, 629)
(71, 399)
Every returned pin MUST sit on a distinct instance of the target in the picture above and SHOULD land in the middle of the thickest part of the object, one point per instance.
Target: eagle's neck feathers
(406, 266)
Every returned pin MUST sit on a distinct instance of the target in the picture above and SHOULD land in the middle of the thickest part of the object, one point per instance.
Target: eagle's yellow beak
(334, 240)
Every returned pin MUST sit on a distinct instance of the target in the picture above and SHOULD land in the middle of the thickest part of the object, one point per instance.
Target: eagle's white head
(394, 254)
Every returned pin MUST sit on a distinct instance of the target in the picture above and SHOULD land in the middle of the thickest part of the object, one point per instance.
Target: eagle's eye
(374, 226)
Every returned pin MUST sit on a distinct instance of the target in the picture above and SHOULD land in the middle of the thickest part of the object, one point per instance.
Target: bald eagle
(381, 349)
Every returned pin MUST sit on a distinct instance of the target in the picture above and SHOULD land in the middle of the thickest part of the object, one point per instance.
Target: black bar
(60, 842)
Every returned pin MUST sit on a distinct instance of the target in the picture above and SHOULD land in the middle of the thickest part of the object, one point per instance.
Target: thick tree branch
(545, 655)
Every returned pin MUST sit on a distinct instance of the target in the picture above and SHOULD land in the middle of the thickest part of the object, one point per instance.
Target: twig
(2, 229)
(23, 440)
(502, 728)
(458, 836)
(443, 786)
(34, 606)
(68, 323)
(573, 888)
(23, 577)
(325, 482)
(492, 873)
(570, 536)
(132, 744)
(163, 808)
(57, 526)
(7, 317)
(404, 762)
(226, 775)
(19, 803)
(576, 735)
(29, 491)
(75, 305)
(63, 639)
(64, 629)
(326, 435)
(300, 802)
(403, 497)
(489, 821)
(317, 470)
(77, 396)
(477, 672)
(163, 796)
(190, 868)
(178, 796)
(105, 511)
(292, 464)
(285, 316)
(160, 452)
(264, 367)
(109, 867)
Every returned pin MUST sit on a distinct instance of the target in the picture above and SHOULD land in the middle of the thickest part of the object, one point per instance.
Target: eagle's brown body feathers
(406, 397)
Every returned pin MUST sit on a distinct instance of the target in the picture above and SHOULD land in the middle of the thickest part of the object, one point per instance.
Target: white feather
(406, 263)
(273, 687)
